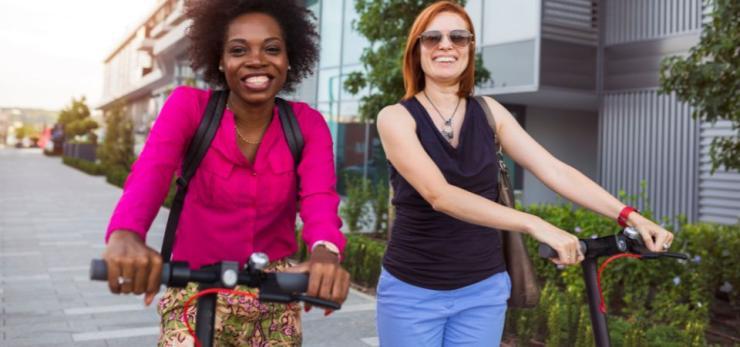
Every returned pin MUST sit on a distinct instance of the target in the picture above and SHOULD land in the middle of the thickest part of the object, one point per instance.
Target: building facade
(581, 76)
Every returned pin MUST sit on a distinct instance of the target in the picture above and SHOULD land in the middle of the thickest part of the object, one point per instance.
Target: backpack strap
(197, 149)
(291, 130)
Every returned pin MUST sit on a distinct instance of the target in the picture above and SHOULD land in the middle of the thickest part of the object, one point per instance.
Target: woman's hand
(132, 266)
(566, 244)
(327, 279)
(655, 237)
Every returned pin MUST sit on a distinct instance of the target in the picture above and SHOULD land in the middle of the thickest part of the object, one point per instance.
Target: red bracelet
(622, 219)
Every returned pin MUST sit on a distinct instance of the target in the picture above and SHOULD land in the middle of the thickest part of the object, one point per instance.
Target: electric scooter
(273, 286)
(628, 241)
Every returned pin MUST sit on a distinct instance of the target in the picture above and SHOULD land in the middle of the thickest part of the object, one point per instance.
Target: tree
(708, 79)
(117, 150)
(76, 120)
(386, 24)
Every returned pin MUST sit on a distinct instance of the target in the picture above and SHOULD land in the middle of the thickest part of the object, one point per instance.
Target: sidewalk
(52, 221)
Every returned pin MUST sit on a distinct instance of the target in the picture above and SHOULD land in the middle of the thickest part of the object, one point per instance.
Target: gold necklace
(236, 127)
(243, 138)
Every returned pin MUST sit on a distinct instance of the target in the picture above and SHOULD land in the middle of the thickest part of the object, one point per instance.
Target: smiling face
(255, 58)
(445, 61)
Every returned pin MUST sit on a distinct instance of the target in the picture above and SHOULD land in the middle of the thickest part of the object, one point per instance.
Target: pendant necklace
(447, 127)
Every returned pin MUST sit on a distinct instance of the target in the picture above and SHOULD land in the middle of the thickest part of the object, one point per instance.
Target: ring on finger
(666, 246)
(123, 280)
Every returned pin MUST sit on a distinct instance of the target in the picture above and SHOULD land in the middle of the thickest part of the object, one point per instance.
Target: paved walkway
(52, 221)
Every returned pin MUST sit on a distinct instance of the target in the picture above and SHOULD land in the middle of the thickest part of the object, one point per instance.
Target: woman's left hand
(327, 279)
(655, 237)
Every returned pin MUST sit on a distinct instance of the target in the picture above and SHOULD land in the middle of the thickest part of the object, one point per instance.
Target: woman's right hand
(132, 266)
(566, 244)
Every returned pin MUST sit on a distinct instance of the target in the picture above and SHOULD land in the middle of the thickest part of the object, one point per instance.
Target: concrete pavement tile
(133, 341)
(29, 331)
(40, 339)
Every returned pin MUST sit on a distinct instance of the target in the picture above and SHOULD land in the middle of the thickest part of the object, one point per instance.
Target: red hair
(413, 75)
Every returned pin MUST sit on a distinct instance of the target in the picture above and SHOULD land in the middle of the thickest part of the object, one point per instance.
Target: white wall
(571, 136)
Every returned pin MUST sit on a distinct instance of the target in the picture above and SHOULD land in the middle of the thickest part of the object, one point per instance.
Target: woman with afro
(244, 195)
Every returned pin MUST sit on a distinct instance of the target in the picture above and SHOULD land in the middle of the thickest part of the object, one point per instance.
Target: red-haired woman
(444, 280)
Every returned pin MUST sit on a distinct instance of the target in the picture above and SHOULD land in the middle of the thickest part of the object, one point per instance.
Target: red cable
(602, 306)
(205, 292)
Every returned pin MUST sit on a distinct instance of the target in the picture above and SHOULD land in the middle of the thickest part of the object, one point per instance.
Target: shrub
(355, 206)
(116, 176)
(91, 168)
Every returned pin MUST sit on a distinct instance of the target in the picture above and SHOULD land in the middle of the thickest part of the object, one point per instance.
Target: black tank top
(430, 249)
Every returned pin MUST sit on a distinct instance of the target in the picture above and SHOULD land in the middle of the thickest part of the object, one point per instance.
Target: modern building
(581, 76)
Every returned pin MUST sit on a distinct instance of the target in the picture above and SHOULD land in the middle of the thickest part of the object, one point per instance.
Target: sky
(53, 50)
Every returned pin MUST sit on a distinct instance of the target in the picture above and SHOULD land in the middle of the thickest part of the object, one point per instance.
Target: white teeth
(444, 59)
(257, 79)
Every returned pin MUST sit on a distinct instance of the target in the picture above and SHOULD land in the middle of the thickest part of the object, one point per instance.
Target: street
(52, 222)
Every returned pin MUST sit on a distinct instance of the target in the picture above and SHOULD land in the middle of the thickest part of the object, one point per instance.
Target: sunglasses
(460, 38)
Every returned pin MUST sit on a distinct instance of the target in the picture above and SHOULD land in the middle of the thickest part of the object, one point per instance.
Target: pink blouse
(234, 208)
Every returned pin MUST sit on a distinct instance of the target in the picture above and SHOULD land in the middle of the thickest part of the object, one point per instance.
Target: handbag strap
(197, 149)
(199, 145)
(492, 122)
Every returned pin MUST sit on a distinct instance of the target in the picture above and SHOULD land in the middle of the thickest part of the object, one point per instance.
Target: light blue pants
(408, 315)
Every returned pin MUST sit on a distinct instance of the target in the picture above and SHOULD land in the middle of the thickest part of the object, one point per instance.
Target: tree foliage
(76, 120)
(386, 24)
(117, 149)
(708, 78)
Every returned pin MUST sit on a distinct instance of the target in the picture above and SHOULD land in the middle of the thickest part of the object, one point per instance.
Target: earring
(289, 68)
(220, 68)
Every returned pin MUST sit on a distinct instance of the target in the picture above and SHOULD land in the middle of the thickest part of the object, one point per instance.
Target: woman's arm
(319, 203)
(148, 183)
(564, 179)
(317, 193)
(397, 131)
(128, 258)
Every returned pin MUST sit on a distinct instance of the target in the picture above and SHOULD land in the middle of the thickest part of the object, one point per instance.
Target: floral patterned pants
(240, 320)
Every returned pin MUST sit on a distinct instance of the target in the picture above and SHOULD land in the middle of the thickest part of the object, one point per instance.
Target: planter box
(84, 151)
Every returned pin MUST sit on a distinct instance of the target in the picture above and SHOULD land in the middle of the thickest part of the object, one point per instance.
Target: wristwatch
(331, 247)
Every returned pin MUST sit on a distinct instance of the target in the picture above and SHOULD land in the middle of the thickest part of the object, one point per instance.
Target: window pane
(331, 32)
(354, 42)
(510, 20)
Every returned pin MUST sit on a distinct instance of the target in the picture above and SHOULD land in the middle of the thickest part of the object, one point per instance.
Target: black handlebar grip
(321, 303)
(292, 282)
(548, 252)
(98, 270)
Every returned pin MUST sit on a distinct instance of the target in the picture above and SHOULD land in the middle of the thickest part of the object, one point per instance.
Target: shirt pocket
(281, 182)
(215, 182)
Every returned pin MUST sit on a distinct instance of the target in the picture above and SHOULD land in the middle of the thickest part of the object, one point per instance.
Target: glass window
(349, 110)
(510, 20)
(354, 42)
(473, 7)
(329, 85)
(331, 32)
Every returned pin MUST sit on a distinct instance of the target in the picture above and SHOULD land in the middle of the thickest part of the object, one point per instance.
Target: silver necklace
(447, 127)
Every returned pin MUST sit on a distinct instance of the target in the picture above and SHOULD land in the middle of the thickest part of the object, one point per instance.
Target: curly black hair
(210, 21)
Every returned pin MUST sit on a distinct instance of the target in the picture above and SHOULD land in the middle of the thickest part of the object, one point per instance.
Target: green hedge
(116, 176)
(362, 258)
(662, 302)
(85, 166)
